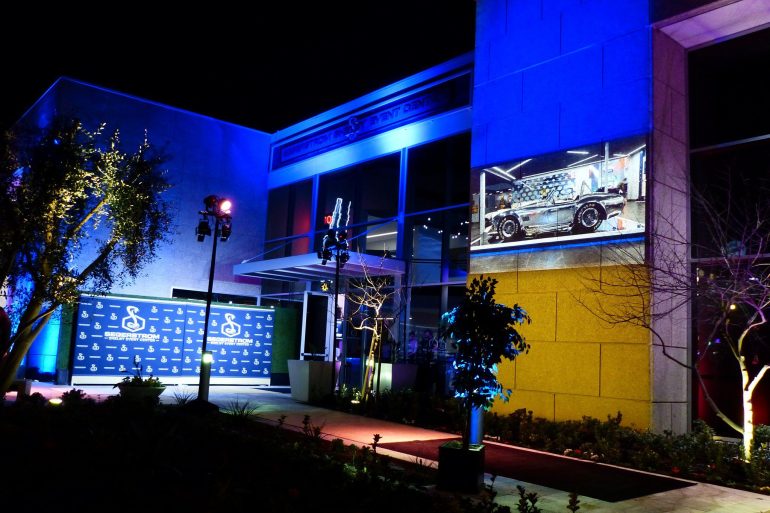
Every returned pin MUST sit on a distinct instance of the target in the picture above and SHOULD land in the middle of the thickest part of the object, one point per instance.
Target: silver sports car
(582, 214)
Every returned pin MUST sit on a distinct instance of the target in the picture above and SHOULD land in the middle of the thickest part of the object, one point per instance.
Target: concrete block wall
(555, 74)
(578, 365)
(672, 384)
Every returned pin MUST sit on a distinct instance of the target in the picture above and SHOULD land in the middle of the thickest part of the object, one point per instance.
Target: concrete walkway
(272, 405)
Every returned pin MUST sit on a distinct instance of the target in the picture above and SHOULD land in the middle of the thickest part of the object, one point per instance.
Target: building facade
(555, 157)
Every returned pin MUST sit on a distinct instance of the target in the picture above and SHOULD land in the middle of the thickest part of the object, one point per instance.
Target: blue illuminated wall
(206, 156)
(555, 74)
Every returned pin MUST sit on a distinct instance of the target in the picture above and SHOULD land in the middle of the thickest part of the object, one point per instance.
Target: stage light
(226, 230)
(203, 230)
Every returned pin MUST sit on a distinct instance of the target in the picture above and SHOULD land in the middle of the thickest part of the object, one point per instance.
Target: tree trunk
(31, 325)
(467, 427)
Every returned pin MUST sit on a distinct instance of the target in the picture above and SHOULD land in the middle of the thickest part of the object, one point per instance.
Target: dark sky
(267, 70)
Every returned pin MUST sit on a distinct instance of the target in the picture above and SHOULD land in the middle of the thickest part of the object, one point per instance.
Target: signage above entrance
(442, 97)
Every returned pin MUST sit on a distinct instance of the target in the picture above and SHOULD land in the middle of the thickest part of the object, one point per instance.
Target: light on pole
(217, 210)
(337, 250)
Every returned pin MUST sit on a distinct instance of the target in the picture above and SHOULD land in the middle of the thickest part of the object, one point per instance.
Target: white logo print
(132, 322)
(99, 305)
(84, 315)
(230, 328)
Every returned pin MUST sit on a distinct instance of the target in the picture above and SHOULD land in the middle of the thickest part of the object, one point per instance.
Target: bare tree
(375, 313)
(728, 284)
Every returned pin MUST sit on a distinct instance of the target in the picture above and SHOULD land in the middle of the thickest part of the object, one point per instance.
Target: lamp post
(218, 210)
(338, 250)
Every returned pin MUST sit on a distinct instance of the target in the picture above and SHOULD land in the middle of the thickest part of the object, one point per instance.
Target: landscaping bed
(698, 455)
(120, 455)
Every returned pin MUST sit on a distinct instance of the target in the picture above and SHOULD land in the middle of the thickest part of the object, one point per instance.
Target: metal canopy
(308, 267)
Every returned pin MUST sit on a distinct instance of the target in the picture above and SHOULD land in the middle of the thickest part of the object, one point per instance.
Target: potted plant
(484, 333)
(137, 387)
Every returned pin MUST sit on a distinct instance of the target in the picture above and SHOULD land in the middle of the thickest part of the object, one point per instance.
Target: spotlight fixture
(224, 232)
(203, 229)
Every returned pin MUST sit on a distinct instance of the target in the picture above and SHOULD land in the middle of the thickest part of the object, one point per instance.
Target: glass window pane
(438, 174)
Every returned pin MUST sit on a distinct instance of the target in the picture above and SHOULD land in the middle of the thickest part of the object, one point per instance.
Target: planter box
(310, 379)
(133, 393)
(460, 470)
(396, 376)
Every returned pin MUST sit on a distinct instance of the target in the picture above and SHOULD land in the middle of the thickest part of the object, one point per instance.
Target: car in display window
(582, 214)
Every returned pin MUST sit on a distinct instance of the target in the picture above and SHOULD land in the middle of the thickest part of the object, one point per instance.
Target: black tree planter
(461, 470)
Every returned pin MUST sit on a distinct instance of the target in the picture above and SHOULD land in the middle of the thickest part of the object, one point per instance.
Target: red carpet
(589, 479)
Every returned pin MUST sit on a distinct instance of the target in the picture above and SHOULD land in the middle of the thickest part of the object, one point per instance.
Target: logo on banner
(230, 328)
(132, 322)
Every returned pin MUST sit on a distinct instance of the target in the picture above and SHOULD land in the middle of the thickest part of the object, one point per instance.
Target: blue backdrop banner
(165, 338)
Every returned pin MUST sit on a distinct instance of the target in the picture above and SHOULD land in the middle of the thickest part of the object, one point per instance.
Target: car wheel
(508, 229)
(588, 218)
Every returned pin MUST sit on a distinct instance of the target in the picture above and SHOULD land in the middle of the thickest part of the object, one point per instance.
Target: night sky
(293, 60)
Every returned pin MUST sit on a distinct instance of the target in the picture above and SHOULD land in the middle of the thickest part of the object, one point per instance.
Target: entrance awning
(309, 267)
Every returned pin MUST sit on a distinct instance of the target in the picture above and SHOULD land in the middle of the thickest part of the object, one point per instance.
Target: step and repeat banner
(166, 337)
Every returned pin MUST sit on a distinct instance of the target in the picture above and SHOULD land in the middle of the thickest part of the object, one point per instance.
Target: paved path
(271, 405)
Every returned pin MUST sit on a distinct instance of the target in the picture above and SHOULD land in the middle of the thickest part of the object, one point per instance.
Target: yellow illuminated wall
(578, 364)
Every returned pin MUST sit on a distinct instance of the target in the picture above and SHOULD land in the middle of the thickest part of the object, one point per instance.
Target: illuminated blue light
(556, 247)
(42, 354)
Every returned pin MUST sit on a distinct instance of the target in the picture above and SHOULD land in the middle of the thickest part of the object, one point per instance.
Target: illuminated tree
(372, 295)
(79, 213)
(485, 333)
(728, 289)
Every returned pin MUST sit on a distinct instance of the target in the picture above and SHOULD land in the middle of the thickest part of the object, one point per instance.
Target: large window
(730, 209)
(591, 192)
(369, 194)
(728, 90)
(730, 199)
(438, 174)
(288, 219)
